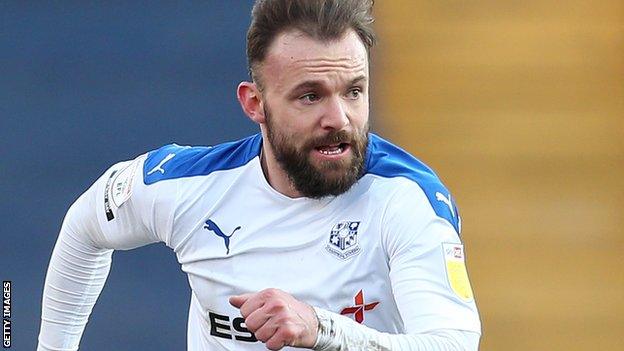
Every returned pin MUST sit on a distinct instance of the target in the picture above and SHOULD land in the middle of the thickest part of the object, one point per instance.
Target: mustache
(333, 137)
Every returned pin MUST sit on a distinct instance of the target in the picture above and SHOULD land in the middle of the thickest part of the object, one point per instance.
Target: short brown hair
(319, 19)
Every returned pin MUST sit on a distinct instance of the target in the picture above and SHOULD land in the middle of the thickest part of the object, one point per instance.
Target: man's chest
(330, 256)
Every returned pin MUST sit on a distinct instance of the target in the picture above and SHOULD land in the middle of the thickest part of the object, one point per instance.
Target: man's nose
(335, 115)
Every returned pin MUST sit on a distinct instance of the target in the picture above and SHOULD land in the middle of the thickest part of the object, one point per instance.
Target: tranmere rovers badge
(343, 240)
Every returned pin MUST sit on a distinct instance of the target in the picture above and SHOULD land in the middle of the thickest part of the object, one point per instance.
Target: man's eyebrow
(358, 79)
(306, 85)
(315, 84)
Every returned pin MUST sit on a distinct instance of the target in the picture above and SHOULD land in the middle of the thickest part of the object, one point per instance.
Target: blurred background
(518, 105)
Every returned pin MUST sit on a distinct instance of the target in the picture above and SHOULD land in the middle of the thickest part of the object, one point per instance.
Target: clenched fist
(278, 319)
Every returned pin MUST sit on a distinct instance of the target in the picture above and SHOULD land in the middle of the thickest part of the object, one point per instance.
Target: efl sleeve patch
(121, 185)
(456, 272)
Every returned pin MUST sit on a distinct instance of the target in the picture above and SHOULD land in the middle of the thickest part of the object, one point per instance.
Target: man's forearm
(75, 278)
(339, 333)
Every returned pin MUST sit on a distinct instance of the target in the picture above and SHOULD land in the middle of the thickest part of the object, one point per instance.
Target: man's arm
(76, 275)
(337, 332)
(94, 225)
(278, 319)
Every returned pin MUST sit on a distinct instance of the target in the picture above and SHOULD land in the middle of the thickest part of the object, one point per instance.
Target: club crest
(343, 240)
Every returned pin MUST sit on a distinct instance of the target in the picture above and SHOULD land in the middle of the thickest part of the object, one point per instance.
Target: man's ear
(250, 100)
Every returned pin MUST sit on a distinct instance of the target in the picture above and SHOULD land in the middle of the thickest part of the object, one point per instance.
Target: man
(312, 234)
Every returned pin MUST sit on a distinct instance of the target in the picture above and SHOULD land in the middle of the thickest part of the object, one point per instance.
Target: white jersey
(386, 254)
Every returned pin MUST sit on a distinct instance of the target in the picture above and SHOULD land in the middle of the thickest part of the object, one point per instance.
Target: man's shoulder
(174, 161)
(389, 161)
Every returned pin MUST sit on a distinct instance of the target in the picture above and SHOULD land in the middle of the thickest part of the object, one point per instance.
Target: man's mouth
(333, 149)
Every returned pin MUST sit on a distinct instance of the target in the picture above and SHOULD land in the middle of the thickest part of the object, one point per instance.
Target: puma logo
(213, 227)
(158, 167)
(447, 201)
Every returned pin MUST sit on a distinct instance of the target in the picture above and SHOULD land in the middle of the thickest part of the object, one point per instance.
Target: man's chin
(332, 178)
(319, 175)
(332, 170)
(328, 187)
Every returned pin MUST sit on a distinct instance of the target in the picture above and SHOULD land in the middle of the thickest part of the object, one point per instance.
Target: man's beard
(329, 177)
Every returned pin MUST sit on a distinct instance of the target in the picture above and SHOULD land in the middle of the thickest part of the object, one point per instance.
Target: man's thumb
(238, 300)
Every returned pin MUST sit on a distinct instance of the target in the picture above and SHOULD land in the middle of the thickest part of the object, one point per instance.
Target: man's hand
(278, 319)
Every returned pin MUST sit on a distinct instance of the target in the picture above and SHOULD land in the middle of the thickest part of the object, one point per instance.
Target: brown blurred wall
(519, 106)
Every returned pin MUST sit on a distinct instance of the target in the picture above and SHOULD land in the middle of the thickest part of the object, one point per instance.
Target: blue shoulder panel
(175, 161)
(387, 160)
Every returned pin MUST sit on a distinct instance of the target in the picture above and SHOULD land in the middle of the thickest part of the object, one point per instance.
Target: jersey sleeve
(427, 262)
(131, 213)
(337, 332)
(117, 212)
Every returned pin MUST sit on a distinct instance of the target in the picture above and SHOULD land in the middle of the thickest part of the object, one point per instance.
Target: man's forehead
(294, 49)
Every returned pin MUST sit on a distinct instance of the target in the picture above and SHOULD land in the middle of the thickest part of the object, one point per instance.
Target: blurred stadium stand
(86, 84)
(519, 106)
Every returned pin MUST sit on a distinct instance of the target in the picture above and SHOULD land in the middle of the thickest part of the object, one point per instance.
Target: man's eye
(354, 93)
(309, 98)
